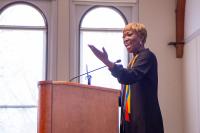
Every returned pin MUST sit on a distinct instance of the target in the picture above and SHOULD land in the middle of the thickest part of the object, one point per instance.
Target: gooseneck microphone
(87, 73)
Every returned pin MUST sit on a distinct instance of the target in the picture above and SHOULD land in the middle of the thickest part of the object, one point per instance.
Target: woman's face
(132, 41)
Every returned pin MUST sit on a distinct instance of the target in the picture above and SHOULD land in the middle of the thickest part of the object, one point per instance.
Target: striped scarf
(127, 96)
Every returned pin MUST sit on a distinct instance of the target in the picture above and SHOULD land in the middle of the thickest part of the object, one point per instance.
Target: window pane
(103, 17)
(100, 27)
(21, 15)
(113, 43)
(22, 55)
(18, 120)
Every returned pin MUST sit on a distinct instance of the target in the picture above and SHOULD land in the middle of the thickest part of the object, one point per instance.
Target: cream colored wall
(191, 65)
(192, 86)
(159, 18)
(63, 40)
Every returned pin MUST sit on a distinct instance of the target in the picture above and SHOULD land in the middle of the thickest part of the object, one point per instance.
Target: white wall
(191, 65)
(159, 18)
(192, 86)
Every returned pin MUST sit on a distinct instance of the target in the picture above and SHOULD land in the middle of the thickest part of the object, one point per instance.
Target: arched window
(23, 63)
(102, 27)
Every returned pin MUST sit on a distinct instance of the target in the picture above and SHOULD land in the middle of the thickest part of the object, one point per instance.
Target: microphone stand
(87, 73)
(89, 79)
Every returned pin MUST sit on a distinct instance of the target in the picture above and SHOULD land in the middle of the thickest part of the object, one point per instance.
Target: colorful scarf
(127, 96)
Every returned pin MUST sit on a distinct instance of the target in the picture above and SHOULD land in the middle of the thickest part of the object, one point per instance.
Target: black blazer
(143, 78)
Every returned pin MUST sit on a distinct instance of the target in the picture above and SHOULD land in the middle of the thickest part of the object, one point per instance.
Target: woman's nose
(125, 39)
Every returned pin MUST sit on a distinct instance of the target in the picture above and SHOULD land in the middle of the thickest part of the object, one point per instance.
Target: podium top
(45, 82)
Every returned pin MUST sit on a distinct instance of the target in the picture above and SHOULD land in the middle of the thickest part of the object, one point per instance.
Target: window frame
(98, 30)
(79, 9)
(14, 27)
(30, 27)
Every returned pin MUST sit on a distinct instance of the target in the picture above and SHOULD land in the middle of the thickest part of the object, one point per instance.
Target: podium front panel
(77, 108)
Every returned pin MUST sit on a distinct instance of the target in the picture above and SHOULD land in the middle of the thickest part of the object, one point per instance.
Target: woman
(139, 101)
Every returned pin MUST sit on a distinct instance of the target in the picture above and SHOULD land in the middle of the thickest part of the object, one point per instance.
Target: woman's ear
(141, 39)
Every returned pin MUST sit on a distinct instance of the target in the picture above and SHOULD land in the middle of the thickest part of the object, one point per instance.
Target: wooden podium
(76, 108)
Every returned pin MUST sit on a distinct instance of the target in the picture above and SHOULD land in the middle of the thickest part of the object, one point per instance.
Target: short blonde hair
(138, 28)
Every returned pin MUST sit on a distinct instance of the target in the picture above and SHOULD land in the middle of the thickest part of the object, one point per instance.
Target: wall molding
(192, 36)
(108, 1)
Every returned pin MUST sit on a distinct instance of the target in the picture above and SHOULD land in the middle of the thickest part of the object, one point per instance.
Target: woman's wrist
(109, 64)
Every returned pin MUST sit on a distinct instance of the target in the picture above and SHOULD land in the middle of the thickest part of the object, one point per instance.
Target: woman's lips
(128, 46)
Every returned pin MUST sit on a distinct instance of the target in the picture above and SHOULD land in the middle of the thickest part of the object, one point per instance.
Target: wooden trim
(45, 107)
(41, 83)
(180, 20)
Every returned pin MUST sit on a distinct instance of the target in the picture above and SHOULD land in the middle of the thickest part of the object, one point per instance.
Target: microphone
(118, 61)
(88, 76)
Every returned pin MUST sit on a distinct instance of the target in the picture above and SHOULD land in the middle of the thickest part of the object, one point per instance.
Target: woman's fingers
(104, 51)
(103, 56)
(97, 52)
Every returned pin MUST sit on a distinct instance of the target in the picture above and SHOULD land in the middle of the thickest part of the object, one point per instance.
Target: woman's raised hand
(103, 56)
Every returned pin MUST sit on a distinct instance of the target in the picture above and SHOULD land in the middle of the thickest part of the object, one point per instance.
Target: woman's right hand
(103, 56)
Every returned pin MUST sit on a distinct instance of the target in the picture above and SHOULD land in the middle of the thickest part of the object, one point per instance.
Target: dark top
(145, 114)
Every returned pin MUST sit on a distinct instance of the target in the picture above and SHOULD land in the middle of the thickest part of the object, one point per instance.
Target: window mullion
(102, 29)
(17, 106)
(13, 27)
